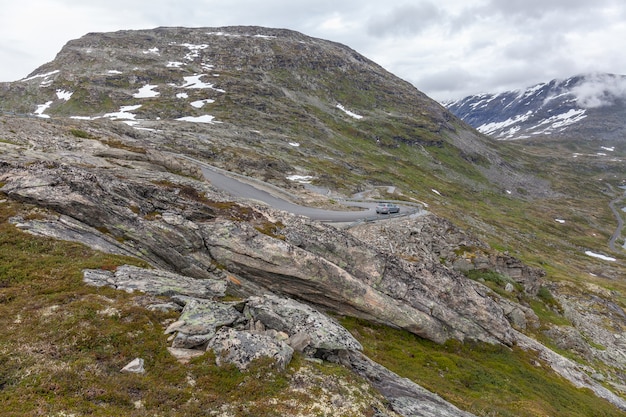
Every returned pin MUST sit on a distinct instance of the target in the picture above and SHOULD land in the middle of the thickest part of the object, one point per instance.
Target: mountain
(589, 106)
(318, 108)
(134, 283)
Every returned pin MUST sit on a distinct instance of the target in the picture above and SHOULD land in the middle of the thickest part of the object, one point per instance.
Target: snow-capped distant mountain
(590, 106)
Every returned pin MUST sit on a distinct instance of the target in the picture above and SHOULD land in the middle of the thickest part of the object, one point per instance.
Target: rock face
(193, 233)
(432, 239)
(340, 273)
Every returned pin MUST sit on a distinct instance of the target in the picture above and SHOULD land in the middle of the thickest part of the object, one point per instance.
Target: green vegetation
(116, 143)
(64, 344)
(487, 380)
(81, 134)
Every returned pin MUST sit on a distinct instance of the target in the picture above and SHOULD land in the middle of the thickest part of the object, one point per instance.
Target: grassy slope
(64, 344)
(484, 379)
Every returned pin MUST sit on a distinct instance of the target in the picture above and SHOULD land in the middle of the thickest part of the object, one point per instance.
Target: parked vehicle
(387, 208)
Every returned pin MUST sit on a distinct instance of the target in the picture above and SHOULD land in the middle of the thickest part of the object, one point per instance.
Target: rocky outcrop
(185, 227)
(270, 327)
(429, 238)
(155, 282)
(199, 322)
(310, 332)
(336, 271)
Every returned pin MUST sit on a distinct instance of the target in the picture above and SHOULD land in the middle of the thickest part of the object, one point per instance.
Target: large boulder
(241, 348)
(309, 330)
(200, 321)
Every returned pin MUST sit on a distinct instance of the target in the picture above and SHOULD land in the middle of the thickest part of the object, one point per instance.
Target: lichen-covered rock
(241, 348)
(200, 321)
(340, 273)
(156, 282)
(295, 318)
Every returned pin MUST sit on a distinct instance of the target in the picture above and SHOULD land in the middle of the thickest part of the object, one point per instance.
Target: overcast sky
(446, 48)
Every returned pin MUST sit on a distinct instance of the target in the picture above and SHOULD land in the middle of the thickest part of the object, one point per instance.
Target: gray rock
(241, 348)
(199, 322)
(156, 282)
(299, 341)
(293, 318)
(136, 366)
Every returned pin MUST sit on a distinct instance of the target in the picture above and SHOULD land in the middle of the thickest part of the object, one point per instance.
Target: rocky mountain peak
(587, 105)
(214, 75)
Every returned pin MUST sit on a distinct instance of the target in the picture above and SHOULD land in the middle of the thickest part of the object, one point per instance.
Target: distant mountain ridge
(590, 106)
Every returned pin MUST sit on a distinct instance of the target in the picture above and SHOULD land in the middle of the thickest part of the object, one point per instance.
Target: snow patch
(46, 75)
(559, 221)
(599, 256)
(174, 64)
(147, 91)
(490, 128)
(194, 50)
(42, 108)
(348, 112)
(200, 103)
(294, 144)
(609, 149)
(193, 81)
(114, 72)
(198, 119)
(124, 113)
(182, 95)
(435, 191)
(302, 179)
(64, 95)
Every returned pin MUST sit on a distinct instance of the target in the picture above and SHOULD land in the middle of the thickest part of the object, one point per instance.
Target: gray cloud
(447, 49)
(407, 19)
(600, 90)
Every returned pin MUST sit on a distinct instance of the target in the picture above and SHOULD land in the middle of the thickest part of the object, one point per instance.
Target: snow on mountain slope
(552, 108)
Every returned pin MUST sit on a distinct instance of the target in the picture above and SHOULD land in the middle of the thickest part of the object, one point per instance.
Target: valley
(496, 291)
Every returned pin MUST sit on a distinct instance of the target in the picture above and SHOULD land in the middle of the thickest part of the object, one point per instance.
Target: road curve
(240, 189)
(620, 222)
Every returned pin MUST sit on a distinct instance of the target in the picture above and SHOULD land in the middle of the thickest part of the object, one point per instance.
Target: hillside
(486, 303)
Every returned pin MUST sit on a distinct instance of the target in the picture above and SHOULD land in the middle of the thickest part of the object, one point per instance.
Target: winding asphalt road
(241, 189)
(620, 222)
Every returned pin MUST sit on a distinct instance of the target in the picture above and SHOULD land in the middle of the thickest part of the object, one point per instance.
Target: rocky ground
(406, 273)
